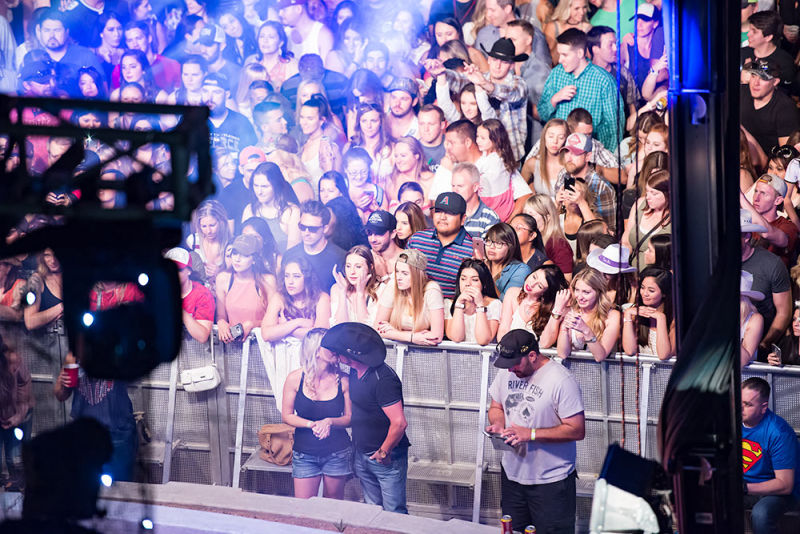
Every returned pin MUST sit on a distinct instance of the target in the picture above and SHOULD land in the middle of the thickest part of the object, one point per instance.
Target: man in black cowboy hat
(379, 424)
(537, 409)
(500, 83)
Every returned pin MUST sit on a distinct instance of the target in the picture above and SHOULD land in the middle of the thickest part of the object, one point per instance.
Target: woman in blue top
(316, 401)
(504, 258)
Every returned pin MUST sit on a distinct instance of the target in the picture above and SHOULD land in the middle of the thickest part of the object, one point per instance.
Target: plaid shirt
(513, 96)
(597, 93)
(605, 198)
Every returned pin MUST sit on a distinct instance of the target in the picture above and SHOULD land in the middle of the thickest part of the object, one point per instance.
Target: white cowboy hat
(747, 224)
(746, 287)
(611, 260)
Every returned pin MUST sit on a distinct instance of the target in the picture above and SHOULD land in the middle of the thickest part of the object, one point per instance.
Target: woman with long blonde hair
(412, 309)
(567, 14)
(556, 246)
(249, 73)
(592, 324)
(316, 401)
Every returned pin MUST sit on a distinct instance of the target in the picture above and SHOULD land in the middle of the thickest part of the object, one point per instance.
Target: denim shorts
(335, 464)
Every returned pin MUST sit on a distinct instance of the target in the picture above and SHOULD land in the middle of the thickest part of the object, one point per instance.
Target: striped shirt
(480, 221)
(443, 261)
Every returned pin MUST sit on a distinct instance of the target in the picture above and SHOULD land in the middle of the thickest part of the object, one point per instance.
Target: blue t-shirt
(512, 275)
(769, 446)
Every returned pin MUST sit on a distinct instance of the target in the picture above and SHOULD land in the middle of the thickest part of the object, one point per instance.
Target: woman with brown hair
(592, 324)
(496, 165)
(244, 291)
(354, 296)
(649, 217)
(504, 259)
(410, 220)
(632, 148)
(657, 140)
(298, 306)
(412, 309)
(370, 134)
(542, 170)
(539, 307)
(47, 286)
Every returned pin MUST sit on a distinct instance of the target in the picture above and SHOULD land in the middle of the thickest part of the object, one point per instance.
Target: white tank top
(310, 44)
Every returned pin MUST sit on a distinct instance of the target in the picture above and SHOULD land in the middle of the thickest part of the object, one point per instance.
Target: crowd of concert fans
(447, 170)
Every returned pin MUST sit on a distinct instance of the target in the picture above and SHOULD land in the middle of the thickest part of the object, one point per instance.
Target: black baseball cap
(515, 346)
(451, 203)
(216, 79)
(380, 222)
(766, 69)
(37, 71)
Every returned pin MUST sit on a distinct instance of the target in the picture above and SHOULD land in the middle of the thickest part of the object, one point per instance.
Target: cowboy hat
(503, 49)
(746, 287)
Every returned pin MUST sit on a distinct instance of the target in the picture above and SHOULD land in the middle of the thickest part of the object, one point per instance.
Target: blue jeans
(123, 458)
(768, 510)
(384, 485)
(13, 447)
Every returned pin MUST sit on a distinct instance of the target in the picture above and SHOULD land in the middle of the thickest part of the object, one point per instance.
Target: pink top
(243, 302)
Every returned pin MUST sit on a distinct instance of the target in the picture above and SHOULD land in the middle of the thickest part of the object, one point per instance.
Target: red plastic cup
(72, 372)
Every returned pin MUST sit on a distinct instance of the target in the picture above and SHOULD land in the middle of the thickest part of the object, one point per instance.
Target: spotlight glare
(143, 279)
(30, 298)
(106, 479)
(88, 319)
(19, 434)
(147, 524)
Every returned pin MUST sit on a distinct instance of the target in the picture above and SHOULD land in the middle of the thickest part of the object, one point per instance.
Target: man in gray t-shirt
(537, 408)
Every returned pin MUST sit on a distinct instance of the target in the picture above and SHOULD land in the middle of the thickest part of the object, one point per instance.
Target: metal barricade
(212, 435)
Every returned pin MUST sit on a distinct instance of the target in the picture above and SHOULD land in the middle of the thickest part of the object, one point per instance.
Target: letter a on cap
(446, 201)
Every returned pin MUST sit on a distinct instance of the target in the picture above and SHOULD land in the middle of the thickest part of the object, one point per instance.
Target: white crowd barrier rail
(211, 437)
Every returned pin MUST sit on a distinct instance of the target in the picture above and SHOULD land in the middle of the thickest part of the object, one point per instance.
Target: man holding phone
(576, 156)
(537, 408)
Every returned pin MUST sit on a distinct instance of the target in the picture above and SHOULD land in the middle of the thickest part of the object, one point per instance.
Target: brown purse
(276, 442)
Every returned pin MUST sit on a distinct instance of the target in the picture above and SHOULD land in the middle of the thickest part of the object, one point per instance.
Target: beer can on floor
(505, 525)
(530, 529)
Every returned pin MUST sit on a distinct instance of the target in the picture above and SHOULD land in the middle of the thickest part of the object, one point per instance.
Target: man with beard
(537, 409)
(230, 130)
(381, 233)
(211, 42)
(402, 119)
(67, 58)
(578, 178)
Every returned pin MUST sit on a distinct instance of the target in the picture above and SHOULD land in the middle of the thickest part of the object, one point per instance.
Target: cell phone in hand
(479, 247)
(777, 350)
(498, 441)
(237, 331)
(569, 183)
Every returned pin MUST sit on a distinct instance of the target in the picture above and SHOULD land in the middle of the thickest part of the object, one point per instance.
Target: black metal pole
(700, 426)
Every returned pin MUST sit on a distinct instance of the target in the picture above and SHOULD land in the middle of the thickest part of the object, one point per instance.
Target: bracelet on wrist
(481, 309)
(558, 316)
(460, 306)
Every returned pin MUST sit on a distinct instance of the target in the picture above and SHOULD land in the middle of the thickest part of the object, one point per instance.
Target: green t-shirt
(609, 18)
